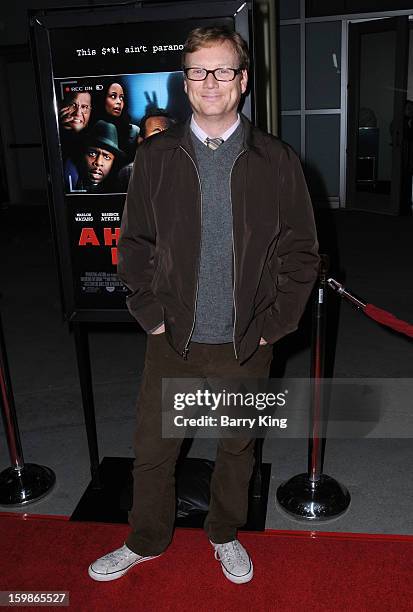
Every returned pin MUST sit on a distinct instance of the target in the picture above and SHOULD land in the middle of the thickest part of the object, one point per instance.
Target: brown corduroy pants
(152, 516)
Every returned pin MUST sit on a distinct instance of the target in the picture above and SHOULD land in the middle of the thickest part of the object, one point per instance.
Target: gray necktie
(213, 143)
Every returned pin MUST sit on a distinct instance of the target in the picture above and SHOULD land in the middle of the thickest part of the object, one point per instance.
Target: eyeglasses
(85, 108)
(220, 74)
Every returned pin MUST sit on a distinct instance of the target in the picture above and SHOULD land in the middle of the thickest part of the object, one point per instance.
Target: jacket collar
(179, 135)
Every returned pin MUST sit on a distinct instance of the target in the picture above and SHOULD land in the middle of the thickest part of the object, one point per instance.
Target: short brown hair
(205, 37)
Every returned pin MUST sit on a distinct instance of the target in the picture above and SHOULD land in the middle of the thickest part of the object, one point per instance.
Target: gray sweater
(214, 320)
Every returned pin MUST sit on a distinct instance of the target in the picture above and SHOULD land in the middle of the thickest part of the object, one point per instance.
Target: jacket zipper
(185, 351)
(233, 253)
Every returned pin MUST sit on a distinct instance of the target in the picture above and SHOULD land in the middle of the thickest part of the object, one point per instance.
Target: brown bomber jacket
(274, 239)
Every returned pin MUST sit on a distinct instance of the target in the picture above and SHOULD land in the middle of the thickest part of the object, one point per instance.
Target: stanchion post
(20, 483)
(315, 496)
(318, 417)
(9, 409)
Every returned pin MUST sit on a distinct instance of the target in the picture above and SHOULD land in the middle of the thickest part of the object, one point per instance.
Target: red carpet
(294, 571)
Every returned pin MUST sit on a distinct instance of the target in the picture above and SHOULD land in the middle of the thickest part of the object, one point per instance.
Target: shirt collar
(201, 135)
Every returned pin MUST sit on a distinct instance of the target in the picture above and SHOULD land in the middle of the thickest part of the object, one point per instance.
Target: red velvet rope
(386, 318)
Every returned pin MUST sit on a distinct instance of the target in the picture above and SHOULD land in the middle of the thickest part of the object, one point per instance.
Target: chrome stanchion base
(25, 485)
(313, 500)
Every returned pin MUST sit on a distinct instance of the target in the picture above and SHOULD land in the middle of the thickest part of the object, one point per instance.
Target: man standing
(218, 248)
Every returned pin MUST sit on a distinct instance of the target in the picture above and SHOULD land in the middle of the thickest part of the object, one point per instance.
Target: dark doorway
(377, 172)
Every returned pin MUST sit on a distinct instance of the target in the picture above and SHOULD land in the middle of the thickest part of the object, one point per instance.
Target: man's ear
(244, 81)
(185, 86)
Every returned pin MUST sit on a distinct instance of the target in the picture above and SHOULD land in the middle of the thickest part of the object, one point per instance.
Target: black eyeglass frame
(236, 71)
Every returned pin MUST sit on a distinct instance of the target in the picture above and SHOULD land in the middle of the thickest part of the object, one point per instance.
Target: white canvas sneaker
(115, 564)
(235, 561)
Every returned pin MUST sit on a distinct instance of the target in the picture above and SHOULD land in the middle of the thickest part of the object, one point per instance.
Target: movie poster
(100, 125)
(114, 86)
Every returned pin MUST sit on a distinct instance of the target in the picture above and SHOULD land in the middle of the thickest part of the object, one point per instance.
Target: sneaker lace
(230, 553)
(117, 556)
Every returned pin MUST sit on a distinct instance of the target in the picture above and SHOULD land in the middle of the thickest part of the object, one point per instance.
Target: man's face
(211, 98)
(78, 112)
(154, 125)
(98, 164)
